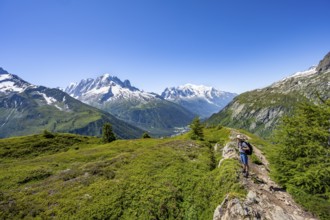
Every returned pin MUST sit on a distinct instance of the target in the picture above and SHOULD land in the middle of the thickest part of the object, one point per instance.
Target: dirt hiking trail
(265, 199)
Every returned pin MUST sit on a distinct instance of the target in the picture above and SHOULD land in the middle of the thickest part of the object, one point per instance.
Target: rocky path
(265, 199)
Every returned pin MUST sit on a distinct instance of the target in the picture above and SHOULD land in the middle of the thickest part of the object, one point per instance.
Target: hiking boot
(246, 174)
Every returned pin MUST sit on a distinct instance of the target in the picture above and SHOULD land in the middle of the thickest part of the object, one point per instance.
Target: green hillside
(77, 177)
(67, 176)
(299, 156)
(27, 113)
(259, 111)
(159, 117)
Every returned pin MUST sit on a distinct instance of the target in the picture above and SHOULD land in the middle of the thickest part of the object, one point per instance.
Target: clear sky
(232, 45)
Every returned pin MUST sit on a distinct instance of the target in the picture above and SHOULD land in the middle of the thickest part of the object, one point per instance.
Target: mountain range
(260, 110)
(70, 176)
(160, 115)
(28, 109)
(202, 100)
(147, 111)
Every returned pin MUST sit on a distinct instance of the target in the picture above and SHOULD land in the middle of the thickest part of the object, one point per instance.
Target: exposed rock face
(145, 110)
(265, 200)
(28, 109)
(259, 111)
(324, 64)
(229, 151)
(201, 100)
(257, 206)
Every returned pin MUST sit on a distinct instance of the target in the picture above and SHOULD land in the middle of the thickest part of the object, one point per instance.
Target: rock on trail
(265, 199)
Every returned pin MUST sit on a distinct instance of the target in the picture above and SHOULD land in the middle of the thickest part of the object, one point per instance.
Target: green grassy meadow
(78, 177)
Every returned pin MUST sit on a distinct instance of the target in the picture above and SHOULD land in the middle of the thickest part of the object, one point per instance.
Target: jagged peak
(306, 73)
(12, 83)
(4, 75)
(324, 64)
(127, 83)
(187, 87)
(109, 80)
(311, 70)
(2, 71)
(195, 87)
(189, 90)
(105, 85)
(106, 76)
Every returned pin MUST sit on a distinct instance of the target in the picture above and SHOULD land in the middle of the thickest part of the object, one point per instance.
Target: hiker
(242, 146)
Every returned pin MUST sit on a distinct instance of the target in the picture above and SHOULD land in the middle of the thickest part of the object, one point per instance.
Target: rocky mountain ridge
(11, 83)
(103, 88)
(202, 100)
(260, 110)
(148, 111)
(29, 109)
(324, 65)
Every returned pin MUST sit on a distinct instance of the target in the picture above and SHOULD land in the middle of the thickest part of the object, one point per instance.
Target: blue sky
(232, 45)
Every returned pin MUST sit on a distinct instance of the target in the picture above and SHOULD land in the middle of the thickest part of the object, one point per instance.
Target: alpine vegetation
(29, 109)
(80, 177)
(302, 157)
(260, 110)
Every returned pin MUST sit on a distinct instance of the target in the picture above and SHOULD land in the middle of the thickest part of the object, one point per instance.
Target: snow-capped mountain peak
(11, 83)
(2, 71)
(198, 90)
(146, 110)
(105, 88)
(309, 71)
(106, 76)
(191, 91)
(204, 100)
(297, 75)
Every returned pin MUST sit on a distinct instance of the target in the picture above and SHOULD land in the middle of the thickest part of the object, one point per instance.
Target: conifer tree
(196, 129)
(107, 133)
(302, 158)
(146, 135)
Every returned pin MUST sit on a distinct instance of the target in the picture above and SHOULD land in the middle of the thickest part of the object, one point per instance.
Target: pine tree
(146, 135)
(107, 133)
(196, 129)
(302, 160)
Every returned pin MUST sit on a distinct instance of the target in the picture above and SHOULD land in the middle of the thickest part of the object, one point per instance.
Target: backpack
(248, 152)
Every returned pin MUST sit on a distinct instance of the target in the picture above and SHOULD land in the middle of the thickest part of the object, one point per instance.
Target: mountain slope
(148, 111)
(260, 110)
(28, 109)
(171, 178)
(202, 100)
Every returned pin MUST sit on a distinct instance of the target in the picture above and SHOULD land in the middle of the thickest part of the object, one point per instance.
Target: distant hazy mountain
(260, 110)
(202, 100)
(148, 111)
(29, 109)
